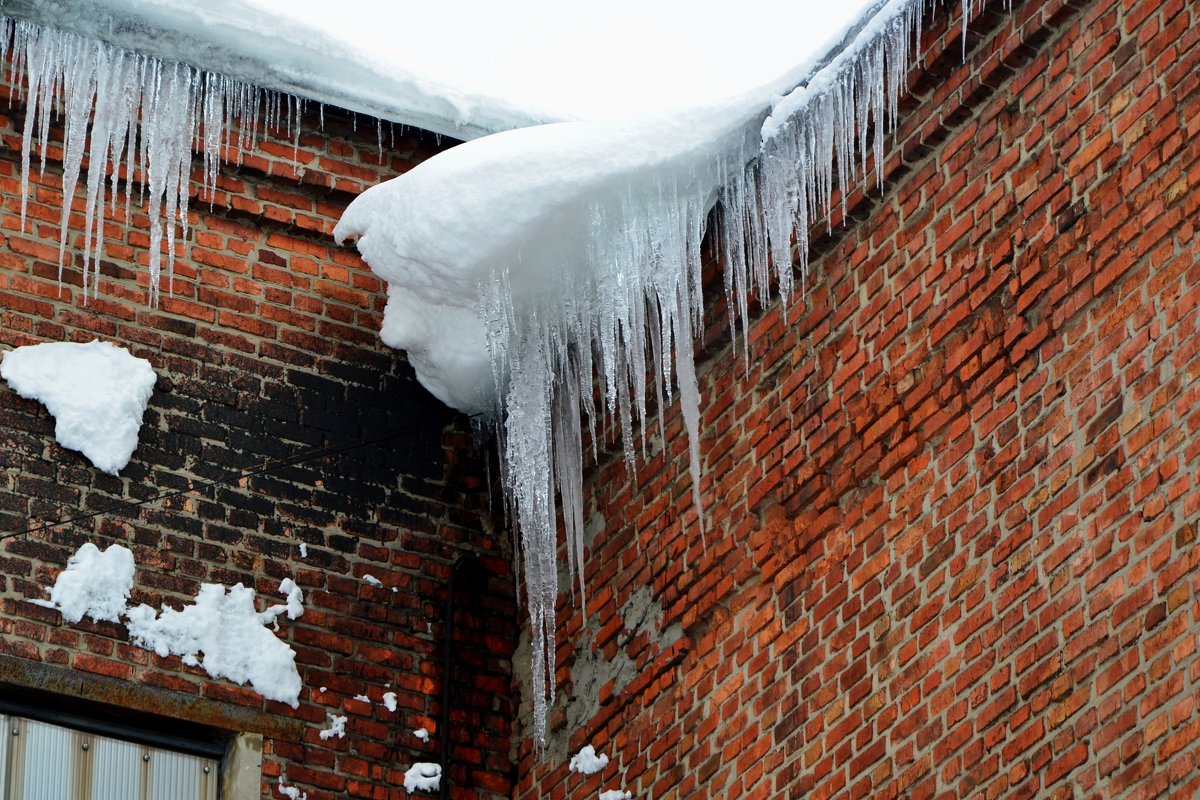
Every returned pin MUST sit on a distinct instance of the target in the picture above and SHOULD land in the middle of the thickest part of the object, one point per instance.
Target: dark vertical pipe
(467, 563)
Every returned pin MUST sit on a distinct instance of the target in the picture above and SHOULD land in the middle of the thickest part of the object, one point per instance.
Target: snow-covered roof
(466, 70)
(271, 50)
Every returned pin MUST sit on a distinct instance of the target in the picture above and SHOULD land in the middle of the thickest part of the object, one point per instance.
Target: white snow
(97, 393)
(362, 698)
(371, 579)
(94, 584)
(616, 794)
(147, 79)
(290, 791)
(223, 627)
(294, 606)
(274, 49)
(474, 67)
(421, 734)
(303, 550)
(389, 701)
(337, 727)
(422, 777)
(586, 762)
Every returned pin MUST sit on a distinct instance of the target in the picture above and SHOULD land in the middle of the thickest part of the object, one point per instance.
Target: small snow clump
(96, 392)
(421, 734)
(616, 794)
(337, 727)
(586, 762)
(371, 579)
(422, 776)
(291, 791)
(94, 584)
(293, 607)
(389, 700)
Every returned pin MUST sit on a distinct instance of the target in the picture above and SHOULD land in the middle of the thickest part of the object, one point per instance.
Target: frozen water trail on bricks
(126, 110)
(524, 266)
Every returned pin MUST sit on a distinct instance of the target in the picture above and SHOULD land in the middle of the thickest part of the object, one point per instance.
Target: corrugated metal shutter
(116, 770)
(176, 775)
(40, 761)
(5, 744)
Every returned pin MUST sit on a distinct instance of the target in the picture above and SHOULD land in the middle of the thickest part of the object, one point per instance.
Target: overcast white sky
(587, 60)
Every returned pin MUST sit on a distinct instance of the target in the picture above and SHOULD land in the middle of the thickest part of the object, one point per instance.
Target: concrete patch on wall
(596, 676)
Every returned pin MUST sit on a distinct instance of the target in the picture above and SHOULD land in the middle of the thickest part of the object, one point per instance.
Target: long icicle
(125, 110)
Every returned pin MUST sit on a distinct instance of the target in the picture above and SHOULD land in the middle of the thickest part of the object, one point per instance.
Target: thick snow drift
(534, 210)
(97, 393)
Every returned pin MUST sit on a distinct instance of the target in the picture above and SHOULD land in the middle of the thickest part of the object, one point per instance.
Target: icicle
(133, 112)
(644, 303)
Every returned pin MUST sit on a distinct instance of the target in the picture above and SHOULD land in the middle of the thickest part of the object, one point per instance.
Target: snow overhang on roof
(245, 42)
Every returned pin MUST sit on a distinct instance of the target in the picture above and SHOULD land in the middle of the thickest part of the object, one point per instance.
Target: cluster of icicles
(145, 116)
(644, 317)
(149, 116)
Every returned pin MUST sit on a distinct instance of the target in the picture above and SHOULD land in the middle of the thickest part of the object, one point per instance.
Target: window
(41, 760)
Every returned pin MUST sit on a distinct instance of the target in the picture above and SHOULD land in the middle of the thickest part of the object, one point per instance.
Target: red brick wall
(952, 505)
(266, 347)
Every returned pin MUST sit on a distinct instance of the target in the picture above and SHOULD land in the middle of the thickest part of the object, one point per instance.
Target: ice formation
(280, 49)
(97, 393)
(524, 266)
(586, 762)
(94, 584)
(509, 290)
(125, 109)
(422, 777)
(337, 727)
(223, 633)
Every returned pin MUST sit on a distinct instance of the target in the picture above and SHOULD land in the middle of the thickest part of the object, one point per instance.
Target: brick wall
(265, 348)
(952, 505)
